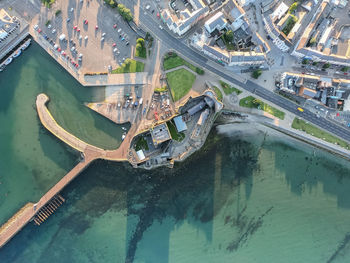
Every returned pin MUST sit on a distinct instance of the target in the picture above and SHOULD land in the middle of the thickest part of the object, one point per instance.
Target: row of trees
(123, 11)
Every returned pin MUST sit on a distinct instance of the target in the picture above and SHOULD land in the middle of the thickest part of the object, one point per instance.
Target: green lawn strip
(173, 61)
(142, 53)
(314, 131)
(251, 102)
(180, 82)
(129, 66)
(229, 89)
(218, 93)
(177, 136)
(141, 144)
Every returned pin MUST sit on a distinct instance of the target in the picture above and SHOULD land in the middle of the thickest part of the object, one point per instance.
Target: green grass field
(229, 89)
(142, 53)
(218, 93)
(129, 66)
(177, 136)
(314, 131)
(251, 102)
(141, 144)
(180, 82)
(176, 61)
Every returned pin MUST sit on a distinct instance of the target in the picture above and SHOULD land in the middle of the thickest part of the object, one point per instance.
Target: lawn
(141, 144)
(140, 48)
(229, 89)
(180, 82)
(173, 61)
(289, 25)
(218, 93)
(251, 102)
(129, 66)
(141, 53)
(177, 136)
(314, 131)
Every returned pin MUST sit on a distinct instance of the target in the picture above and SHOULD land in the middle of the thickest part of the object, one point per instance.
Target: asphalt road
(184, 50)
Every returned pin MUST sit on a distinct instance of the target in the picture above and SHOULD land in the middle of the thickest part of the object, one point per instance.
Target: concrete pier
(90, 152)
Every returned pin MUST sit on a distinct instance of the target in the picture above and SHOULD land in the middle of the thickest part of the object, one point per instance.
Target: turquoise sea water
(243, 198)
(32, 159)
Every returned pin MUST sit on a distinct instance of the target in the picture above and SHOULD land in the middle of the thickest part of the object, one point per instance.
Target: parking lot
(91, 34)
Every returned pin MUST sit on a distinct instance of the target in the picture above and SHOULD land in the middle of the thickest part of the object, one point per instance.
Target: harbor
(89, 153)
(15, 53)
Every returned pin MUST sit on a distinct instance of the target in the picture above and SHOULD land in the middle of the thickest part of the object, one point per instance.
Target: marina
(15, 53)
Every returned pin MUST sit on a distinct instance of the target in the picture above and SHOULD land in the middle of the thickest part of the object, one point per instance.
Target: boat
(17, 53)
(8, 61)
(123, 128)
(26, 44)
(123, 136)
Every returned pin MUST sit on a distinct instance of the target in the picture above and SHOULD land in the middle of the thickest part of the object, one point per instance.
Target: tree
(293, 7)
(256, 73)
(312, 40)
(228, 36)
(141, 41)
(327, 65)
(138, 47)
(124, 12)
(345, 69)
(304, 62)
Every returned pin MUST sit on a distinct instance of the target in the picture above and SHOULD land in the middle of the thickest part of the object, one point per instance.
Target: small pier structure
(48, 203)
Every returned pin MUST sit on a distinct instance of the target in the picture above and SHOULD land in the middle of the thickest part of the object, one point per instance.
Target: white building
(217, 22)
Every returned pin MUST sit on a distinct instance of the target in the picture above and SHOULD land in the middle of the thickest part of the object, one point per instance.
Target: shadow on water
(194, 192)
(308, 171)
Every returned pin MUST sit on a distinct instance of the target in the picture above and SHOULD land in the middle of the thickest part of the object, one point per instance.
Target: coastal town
(171, 68)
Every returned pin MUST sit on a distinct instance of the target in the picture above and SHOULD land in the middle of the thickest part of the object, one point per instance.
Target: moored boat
(8, 61)
(26, 44)
(17, 53)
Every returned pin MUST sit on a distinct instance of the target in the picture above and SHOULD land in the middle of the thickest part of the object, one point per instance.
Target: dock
(49, 202)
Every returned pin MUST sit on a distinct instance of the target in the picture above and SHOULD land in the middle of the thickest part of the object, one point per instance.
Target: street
(173, 43)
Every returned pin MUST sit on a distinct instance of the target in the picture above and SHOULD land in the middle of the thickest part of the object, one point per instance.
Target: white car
(53, 31)
(49, 26)
(160, 27)
(119, 30)
(36, 27)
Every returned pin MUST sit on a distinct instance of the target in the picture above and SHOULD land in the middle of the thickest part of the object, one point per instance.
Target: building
(181, 25)
(203, 117)
(217, 22)
(235, 13)
(333, 93)
(8, 24)
(180, 124)
(160, 134)
(320, 41)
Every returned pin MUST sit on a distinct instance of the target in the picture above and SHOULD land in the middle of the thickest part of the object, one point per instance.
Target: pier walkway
(90, 152)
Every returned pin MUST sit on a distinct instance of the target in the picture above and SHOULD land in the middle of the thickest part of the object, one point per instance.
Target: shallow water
(241, 199)
(244, 197)
(31, 159)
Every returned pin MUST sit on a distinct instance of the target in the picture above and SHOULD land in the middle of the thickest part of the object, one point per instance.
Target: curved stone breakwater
(90, 153)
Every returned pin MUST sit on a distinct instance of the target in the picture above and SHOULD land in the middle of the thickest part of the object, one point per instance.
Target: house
(217, 22)
(186, 21)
